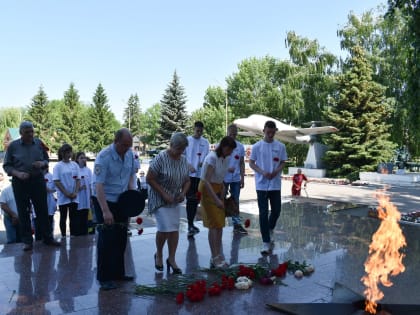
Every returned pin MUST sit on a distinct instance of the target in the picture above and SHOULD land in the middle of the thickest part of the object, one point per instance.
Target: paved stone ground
(407, 199)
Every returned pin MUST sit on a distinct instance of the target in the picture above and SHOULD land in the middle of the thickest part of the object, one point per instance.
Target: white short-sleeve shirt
(220, 166)
(268, 156)
(67, 173)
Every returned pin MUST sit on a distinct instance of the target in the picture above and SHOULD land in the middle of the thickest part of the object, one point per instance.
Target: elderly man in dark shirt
(24, 160)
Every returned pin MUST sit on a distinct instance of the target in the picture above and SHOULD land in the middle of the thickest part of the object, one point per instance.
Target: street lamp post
(226, 111)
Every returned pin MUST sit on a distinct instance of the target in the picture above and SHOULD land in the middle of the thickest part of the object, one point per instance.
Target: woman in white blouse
(212, 192)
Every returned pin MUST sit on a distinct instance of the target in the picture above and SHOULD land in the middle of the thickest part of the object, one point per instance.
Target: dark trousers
(112, 241)
(268, 222)
(71, 208)
(192, 200)
(35, 190)
(81, 222)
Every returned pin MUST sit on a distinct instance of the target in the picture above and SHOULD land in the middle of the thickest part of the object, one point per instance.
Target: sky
(134, 46)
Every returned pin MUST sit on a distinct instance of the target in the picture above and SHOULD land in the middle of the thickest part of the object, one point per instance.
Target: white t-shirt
(220, 166)
(234, 161)
(85, 193)
(51, 201)
(8, 197)
(196, 152)
(268, 156)
(67, 173)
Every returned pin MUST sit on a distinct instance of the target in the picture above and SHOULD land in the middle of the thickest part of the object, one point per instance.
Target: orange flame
(384, 257)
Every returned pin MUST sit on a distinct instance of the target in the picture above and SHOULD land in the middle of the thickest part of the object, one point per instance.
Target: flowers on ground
(214, 281)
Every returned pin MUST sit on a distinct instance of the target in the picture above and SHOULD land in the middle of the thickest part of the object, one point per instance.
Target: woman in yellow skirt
(212, 195)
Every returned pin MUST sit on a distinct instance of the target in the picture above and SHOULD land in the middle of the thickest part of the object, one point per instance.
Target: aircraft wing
(310, 131)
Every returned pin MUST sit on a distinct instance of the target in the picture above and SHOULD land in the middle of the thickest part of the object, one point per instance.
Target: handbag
(231, 207)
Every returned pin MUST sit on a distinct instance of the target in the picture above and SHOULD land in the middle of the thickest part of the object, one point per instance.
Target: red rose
(198, 196)
(180, 298)
(247, 223)
(236, 157)
(139, 220)
(280, 271)
(276, 159)
(140, 231)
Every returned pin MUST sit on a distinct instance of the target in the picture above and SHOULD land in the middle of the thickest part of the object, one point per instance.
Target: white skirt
(167, 218)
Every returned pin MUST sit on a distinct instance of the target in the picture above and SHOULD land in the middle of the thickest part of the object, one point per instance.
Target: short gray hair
(25, 124)
(179, 140)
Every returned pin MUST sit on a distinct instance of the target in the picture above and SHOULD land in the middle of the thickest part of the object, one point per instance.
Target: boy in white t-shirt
(268, 157)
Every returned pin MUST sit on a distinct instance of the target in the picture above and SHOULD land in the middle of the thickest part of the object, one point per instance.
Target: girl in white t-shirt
(66, 176)
(84, 195)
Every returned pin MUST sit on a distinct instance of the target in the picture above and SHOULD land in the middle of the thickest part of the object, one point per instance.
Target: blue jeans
(235, 190)
(12, 231)
(268, 222)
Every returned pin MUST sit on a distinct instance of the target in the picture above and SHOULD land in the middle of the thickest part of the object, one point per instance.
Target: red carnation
(236, 157)
(199, 153)
(247, 223)
(139, 220)
(180, 298)
(276, 159)
(140, 231)
(75, 177)
(198, 196)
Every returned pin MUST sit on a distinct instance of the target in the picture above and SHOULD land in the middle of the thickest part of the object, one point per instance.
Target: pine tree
(102, 122)
(73, 128)
(38, 114)
(173, 112)
(132, 115)
(360, 112)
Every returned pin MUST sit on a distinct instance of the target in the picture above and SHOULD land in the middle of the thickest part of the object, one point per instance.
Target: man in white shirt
(234, 178)
(197, 150)
(268, 157)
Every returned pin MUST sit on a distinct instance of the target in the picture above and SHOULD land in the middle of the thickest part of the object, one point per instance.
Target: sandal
(218, 262)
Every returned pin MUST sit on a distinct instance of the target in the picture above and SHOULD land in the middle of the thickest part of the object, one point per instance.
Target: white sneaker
(265, 249)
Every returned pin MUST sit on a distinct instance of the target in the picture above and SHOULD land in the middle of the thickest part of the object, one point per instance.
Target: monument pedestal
(309, 172)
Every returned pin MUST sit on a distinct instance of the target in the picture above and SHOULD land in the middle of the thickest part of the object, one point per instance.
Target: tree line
(371, 95)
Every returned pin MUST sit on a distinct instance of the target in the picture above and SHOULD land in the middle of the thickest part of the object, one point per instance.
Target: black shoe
(174, 270)
(237, 228)
(158, 267)
(52, 243)
(27, 247)
(192, 231)
(196, 229)
(108, 285)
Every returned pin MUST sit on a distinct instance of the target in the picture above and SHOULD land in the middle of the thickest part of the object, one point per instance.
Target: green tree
(132, 115)
(102, 122)
(385, 44)
(173, 112)
(410, 11)
(214, 96)
(360, 111)
(213, 118)
(312, 76)
(73, 120)
(255, 88)
(150, 123)
(39, 112)
(10, 117)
